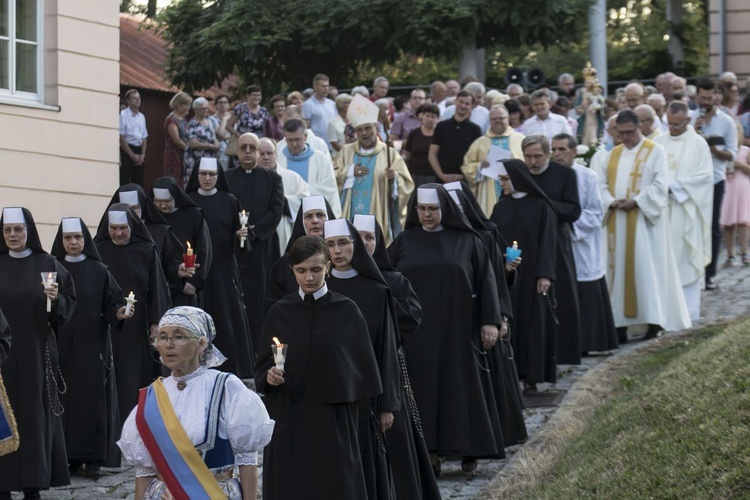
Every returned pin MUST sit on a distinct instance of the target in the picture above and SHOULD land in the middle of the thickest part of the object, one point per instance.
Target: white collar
(203, 192)
(344, 275)
(20, 255)
(366, 151)
(316, 295)
(518, 194)
(80, 258)
(435, 229)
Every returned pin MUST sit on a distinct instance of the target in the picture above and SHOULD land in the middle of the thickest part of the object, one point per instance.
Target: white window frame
(11, 95)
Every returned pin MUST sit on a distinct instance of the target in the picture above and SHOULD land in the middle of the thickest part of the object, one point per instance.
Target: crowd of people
(395, 278)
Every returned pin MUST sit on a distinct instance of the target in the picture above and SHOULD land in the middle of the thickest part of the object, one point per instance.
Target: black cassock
(91, 419)
(222, 291)
(330, 366)
(450, 272)
(560, 185)
(5, 337)
(31, 373)
(533, 224)
(373, 300)
(137, 268)
(261, 194)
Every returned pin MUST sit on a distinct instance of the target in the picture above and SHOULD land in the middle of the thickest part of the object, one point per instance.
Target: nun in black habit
(168, 246)
(188, 224)
(31, 373)
(448, 266)
(312, 214)
(356, 276)
(525, 215)
(91, 419)
(330, 366)
(413, 476)
(505, 384)
(222, 291)
(126, 248)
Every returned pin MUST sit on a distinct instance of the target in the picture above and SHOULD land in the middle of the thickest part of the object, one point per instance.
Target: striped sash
(175, 457)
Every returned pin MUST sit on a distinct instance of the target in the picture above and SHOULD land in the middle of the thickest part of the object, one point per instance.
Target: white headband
(129, 197)
(162, 194)
(501, 168)
(337, 227)
(71, 225)
(117, 217)
(317, 202)
(428, 196)
(453, 186)
(208, 165)
(454, 195)
(364, 222)
(13, 216)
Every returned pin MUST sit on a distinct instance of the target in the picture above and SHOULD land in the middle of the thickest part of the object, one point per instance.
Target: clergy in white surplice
(642, 272)
(690, 173)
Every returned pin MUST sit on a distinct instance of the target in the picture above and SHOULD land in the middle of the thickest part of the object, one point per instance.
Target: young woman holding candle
(31, 374)
(91, 420)
(330, 367)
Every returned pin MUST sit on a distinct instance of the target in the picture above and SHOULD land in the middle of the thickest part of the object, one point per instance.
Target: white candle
(130, 299)
(243, 223)
(48, 279)
(279, 353)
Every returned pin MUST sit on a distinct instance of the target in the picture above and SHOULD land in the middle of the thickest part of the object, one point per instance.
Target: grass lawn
(676, 425)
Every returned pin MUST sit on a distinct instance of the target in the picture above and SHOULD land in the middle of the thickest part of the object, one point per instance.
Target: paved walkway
(731, 300)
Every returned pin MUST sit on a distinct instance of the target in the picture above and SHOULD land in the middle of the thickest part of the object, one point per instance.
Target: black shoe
(5, 495)
(31, 495)
(91, 470)
(653, 332)
(75, 468)
(711, 284)
(468, 464)
(622, 335)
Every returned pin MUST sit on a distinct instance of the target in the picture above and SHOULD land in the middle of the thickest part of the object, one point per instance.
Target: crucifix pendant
(181, 385)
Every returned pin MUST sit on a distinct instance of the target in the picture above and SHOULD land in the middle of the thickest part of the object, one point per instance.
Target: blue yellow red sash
(8, 430)
(178, 462)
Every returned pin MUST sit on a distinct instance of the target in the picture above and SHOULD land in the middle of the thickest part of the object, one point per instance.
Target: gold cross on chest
(635, 175)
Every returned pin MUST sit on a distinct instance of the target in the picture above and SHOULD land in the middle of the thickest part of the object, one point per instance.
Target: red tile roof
(142, 56)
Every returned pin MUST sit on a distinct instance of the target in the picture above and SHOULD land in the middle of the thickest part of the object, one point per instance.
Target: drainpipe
(722, 36)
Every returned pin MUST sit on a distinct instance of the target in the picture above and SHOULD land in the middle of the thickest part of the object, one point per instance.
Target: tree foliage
(281, 44)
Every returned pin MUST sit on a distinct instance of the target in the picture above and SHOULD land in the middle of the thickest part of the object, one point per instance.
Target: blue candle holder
(512, 254)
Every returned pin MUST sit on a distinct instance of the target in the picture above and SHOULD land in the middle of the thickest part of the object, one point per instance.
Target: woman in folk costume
(191, 429)
(372, 177)
(91, 419)
(34, 309)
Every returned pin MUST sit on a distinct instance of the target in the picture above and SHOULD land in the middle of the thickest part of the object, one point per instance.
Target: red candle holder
(188, 260)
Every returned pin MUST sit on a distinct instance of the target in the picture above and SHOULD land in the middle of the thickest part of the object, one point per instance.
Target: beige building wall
(736, 39)
(61, 158)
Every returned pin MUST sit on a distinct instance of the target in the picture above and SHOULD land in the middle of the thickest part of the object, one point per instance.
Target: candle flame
(276, 341)
(515, 243)
(49, 276)
(243, 213)
(188, 244)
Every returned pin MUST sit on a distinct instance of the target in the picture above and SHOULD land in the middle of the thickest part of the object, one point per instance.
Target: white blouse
(243, 419)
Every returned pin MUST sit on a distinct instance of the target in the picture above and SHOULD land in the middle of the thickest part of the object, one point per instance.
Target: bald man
(635, 95)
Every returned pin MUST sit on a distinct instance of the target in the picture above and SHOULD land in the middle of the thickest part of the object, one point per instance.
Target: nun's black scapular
(136, 267)
(31, 372)
(222, 291)
(91, 419)
(450, 271)
(532, 222)
(188, 224)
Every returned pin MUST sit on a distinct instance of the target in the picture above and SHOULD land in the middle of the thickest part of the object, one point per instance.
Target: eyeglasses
(339, 244)
(177, 339)
(15, 229)
(627, 132)
(248, 147)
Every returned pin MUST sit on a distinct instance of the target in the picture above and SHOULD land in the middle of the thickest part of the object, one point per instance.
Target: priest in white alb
(690, 172)
(642, 273)
(500, 135)
(372, 176)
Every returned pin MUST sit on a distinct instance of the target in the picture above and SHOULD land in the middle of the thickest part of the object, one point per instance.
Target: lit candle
(130, 299)
(515, 245)
(279, 353)
(243, 223)
(190, 249)
(512, 253)
(189, 258)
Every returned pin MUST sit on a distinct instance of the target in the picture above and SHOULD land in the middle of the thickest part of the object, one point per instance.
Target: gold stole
(631, 301)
